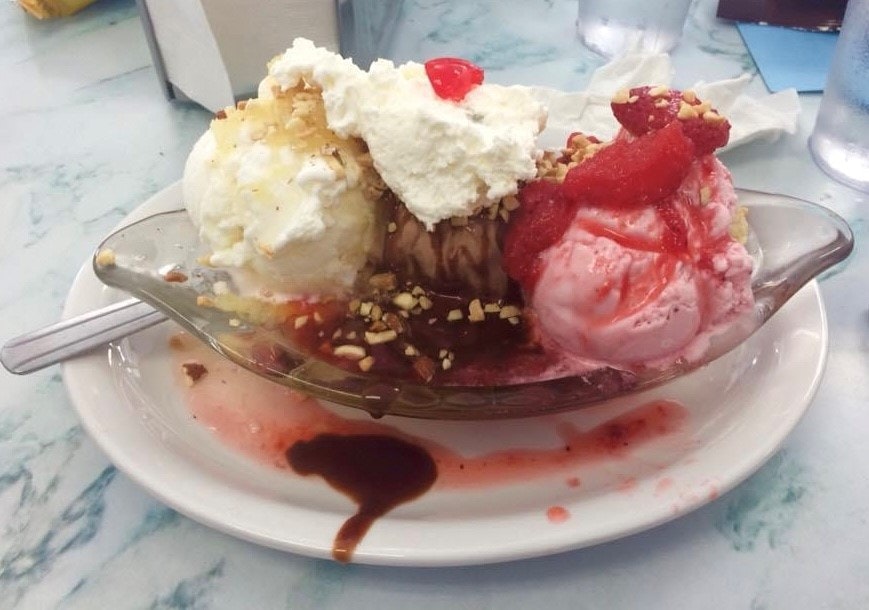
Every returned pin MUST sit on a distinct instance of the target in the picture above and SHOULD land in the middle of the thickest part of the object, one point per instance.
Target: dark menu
(814, 15)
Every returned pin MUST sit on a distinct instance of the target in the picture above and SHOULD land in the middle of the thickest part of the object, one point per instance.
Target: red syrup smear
(281, 428)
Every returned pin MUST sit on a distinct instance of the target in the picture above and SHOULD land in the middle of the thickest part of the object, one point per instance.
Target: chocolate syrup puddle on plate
(377, 472)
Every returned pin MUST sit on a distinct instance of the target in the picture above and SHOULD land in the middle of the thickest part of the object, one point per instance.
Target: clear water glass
(612, 27)
(840, 140)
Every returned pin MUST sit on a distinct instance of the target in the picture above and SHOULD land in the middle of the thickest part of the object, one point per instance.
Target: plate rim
(75, 372)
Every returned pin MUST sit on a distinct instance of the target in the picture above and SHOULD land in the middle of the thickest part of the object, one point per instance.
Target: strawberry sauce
(379, 466)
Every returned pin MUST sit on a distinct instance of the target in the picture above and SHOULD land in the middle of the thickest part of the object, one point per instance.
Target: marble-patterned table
(85, 136)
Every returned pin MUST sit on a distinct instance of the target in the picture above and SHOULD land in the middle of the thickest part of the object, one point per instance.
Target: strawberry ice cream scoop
(634, 258)
(611, 291)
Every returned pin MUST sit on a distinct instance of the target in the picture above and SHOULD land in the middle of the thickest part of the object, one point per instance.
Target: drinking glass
(840, 140)
(611, 28)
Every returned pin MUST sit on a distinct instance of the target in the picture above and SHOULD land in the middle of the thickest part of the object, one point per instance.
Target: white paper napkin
(589, 111)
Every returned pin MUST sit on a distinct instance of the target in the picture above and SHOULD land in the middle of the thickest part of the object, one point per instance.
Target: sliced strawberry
(538, 223)
(654, 108)
(631, 174)
(706, 134)
(452, 78)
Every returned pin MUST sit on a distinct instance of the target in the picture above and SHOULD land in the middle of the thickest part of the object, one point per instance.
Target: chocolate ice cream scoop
(460, 256)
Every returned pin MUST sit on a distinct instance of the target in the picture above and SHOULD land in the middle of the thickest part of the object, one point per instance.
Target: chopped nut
(633, 99)
(405, 301)
(662, 103)
(621, 96)
(410, 350)
(425, 302)
(509, 311)
(475, 311)
(705, 195)
(351, 335)
(454, 314)
(317, 317)
(376, 312)
(354, 305)
(175, 276)
(424, 368)
(505, 215)
(366, 363)
(365, 308)
(446, 363)
(713, 117)
(689, 96)
(510, 203)
(336, 334)
(404, 314)
(491, 308)
(393, 321)
(377, 326)
(443, 353)
(105, 257)
(382, 337)
(432, 321)
(392, 227)
(686, 111)
(417, 290)
(382, 281)
(703, 108)
(416, 310)
(513, 321)
(658, 91)
(234, 322)
(300, 322)
(351, 352)
(193, 372)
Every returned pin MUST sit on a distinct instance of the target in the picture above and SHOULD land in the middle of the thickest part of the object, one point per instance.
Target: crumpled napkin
(751, 118)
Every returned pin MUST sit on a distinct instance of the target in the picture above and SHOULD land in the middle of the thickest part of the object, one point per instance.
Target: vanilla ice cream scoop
(274, 191)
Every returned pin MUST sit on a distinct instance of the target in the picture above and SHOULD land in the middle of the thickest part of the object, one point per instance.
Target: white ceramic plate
(740, 410)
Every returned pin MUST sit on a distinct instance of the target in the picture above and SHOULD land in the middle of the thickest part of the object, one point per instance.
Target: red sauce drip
(281, 428)
(377, 472)
(557, 514)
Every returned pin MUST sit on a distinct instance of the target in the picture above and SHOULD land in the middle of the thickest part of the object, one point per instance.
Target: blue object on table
(789, 58)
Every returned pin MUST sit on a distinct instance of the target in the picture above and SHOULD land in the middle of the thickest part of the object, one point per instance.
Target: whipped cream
(441, 158)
